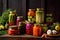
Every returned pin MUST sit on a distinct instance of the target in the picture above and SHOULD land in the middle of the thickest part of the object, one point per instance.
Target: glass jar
(19, 19)
(12, 18)
(13, 30)
(37, 30)
(31, 15)
(40, 15)
(29, 28)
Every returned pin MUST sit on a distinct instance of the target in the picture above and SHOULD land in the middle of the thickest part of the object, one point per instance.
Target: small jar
(13, 30)
(19, 19)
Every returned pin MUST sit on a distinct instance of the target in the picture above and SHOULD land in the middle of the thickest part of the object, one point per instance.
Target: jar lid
(19, 16)
(31, 9)
(37, 24)
(13, 26)
(11, 12)
(49, 14)
(40, 9)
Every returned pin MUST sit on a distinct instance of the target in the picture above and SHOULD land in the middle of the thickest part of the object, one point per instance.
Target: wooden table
(25, 37)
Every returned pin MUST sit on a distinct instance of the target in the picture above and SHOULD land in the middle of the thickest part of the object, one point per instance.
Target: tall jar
(29, 28)
(31, 15)
(40, 15)
(37, 30)
(19, 19)
(12, 18)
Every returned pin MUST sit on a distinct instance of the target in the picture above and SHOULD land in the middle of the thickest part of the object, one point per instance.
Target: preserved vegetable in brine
(37, 30)
(40, 15)
(19, 19)
(12, 18)
(31, 15)
(21, 28)
(13, 30)
(29, 28)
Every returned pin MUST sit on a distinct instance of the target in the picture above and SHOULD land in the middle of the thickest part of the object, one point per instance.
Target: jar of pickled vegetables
(37, 30)
(44, 27)
(13, 30)
(40, 15)
(49, 19)
(21, 28)
(29, 28)
(31, 15)
(12, 18)
(19, 19)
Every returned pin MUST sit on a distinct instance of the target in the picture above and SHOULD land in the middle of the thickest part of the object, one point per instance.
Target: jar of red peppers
(12, 18)
(37, 30)
(13, 30)
(29, 28)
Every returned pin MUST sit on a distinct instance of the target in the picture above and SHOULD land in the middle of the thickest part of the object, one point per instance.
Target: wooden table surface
(26, 37)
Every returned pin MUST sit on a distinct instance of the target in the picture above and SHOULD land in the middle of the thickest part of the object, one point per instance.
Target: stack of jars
(12, 22)
(38, 18)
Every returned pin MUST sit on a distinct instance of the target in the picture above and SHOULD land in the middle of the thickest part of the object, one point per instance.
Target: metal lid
(13, 27)
(11, 12)
(31, 9)
(19, 16)
(40, 8)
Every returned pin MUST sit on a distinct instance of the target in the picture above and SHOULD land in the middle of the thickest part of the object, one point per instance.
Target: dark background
(22, 6)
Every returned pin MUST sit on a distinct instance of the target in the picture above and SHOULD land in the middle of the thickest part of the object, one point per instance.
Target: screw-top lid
(19, 17)
(40, 9)
(50, 14)
(36, 24)
(31, 9)
(11, 11)
(45, 25)
(13, 26)
(20, 23)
